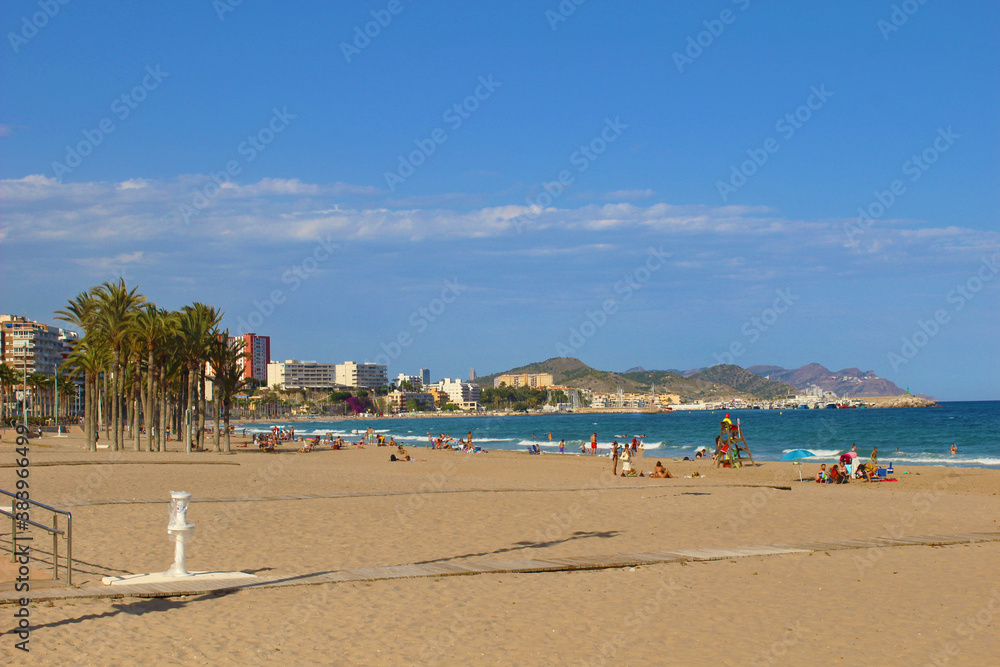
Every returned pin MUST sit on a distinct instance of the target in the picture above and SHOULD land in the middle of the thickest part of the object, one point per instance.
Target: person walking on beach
(562, 446)
(593, 444)
(614, 458)
(875, 456)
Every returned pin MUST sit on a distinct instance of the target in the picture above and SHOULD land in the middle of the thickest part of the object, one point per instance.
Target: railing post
(55, 547)
(13, 533)
(69, 549)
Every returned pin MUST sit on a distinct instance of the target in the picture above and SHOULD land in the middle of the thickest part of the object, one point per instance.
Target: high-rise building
(43, 347)
(425, 376)
(472, 375)
(258, 351)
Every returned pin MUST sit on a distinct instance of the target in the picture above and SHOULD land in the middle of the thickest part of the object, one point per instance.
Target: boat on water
(802, 406)
(831, 406)
(846, 406)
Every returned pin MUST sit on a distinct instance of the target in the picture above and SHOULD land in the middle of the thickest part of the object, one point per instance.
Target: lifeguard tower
(732, 444)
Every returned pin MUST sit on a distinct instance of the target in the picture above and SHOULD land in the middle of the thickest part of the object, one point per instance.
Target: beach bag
(392, 457)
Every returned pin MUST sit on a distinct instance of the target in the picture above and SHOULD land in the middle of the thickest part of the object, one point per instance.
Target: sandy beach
(928, 604)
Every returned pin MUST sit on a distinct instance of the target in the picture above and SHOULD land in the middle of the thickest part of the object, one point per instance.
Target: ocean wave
(817, 453)
(937, 459)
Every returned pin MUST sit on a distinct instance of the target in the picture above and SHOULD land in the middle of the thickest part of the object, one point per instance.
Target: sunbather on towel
(659, 472)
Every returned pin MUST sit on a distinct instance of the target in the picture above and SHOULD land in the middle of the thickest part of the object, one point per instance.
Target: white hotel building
(295, 374)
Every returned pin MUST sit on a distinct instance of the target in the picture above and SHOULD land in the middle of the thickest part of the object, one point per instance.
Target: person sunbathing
(401, 454)
(821, 474)
(659, 472)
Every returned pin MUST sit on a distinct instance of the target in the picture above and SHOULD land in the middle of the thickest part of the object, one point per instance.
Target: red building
(258, 351)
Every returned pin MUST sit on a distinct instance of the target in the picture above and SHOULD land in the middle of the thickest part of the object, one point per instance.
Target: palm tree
(149, 331)
(198, 330)
(227, 367)
(8, 378)
(88, 358)
(227, 378)
(117, 305)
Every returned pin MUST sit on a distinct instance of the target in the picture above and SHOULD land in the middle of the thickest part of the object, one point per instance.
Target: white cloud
(626, 195)
(37, 208)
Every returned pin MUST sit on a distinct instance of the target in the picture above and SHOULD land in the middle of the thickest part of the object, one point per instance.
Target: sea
(914, 436)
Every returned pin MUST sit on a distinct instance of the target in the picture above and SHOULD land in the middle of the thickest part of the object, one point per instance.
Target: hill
(709, 384)
(847, 382)
(745, 382)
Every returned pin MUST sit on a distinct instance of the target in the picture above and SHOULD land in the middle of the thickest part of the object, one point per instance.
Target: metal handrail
(54, 529)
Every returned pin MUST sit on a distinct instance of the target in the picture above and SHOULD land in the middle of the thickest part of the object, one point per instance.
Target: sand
(933, 605)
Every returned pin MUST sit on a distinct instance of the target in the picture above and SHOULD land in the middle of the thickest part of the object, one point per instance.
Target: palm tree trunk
(201, 406)
(87, 403)
(217, 410)
(189, 413)
(115, 372)
(147, 401)
(226, 443)
(164, 415)
(137, 419)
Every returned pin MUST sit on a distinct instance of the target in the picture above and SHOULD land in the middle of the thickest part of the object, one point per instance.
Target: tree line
(147, 365)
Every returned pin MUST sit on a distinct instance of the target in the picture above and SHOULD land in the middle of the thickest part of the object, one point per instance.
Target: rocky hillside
(718, 382)
(847, 382)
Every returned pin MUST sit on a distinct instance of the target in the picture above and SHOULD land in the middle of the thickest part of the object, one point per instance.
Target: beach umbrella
(797, 454)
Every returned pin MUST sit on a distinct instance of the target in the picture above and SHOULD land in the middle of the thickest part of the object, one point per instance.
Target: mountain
(714, 383)
(847, 382)
(636, 369)
(745, 382)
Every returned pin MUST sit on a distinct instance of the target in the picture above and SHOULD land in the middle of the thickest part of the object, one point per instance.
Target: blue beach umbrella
(797, 454)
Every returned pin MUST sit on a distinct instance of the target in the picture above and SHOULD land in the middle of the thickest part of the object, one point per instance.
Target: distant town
(32, 353)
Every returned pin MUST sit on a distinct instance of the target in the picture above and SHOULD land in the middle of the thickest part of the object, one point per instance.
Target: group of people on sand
(445, 441)
(838, 473)
(629, 452)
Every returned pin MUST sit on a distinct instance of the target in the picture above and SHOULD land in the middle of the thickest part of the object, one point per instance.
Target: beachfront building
(440, 398)
(295, 374)
(463, 394)
(258, 351)
(515, 380)
(668, 399)
(353, 374)
(39, 346)
(412, 380)
(632, 401)
(398, 399)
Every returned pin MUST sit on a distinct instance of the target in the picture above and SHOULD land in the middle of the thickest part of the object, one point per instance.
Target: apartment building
(41, 346)
(533, 380)
(463, 394)
(353, 374)
(295, 374)
(258, 351)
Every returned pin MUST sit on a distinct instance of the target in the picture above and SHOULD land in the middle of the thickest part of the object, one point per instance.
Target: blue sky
(581, 198)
